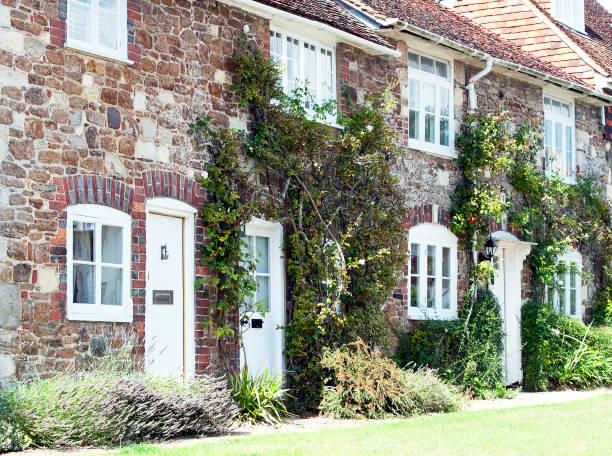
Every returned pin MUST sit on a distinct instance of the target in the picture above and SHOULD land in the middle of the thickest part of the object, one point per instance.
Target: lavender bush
(109, 408)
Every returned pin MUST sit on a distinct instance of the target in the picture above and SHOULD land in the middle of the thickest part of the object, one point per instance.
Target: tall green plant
(259, 397)
(339, 202)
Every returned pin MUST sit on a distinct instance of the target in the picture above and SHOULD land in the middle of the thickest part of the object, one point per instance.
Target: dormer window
(569, 12)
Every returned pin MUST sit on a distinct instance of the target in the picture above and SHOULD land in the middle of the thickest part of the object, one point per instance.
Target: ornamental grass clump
(363, 384)
(110, 408)
(259, 397)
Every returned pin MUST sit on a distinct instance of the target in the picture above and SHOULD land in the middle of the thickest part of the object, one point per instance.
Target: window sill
(433, 149)
(97, 53)
(120, 317)
(419, 313)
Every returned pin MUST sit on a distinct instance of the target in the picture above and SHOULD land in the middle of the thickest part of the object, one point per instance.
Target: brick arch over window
(131, 198)
(426, 213)
(116, 193)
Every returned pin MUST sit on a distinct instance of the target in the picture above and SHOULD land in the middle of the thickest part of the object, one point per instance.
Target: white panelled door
(165, 351)
(262, 317)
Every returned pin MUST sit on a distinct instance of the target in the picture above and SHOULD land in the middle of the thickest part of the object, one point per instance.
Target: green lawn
(577, 428)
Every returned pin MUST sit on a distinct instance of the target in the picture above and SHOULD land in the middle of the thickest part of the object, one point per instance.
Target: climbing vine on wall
(541, 207)
(341, 207)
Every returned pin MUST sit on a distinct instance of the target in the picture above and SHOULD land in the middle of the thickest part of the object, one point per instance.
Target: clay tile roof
(433, 17)
(330, 13)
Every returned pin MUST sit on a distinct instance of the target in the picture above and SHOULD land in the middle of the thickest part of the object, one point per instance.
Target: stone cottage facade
(99, 178)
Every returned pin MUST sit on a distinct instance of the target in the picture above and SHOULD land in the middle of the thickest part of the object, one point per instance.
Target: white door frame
(514, 254)
(274, 231)
(175, 208)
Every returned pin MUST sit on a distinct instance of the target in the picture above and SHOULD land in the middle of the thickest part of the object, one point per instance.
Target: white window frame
(99, 215)
(552, 119)
(320, 45)
(423, 77)
(569, 12)
(93, 47)
(570, 258)
(431, 234)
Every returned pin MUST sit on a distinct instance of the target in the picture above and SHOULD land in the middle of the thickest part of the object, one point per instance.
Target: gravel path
(314, 423)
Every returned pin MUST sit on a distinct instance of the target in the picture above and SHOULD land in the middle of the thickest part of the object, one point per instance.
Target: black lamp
(490, 248)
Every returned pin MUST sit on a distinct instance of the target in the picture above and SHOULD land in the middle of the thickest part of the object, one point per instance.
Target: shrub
(362, 383)
(560, 351)
(467, 352)
(259, 398)
(103, 408)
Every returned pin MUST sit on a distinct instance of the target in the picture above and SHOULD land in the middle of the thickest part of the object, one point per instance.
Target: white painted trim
(447, 83)
(435, 235)
(99, 215)
(556, 95)
(269, 12)
(176, 208)
(93, 47)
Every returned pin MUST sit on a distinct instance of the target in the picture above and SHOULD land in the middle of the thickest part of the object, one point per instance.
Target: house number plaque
(163, 297)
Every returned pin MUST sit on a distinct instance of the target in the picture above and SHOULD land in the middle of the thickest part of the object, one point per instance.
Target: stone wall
(73, 126)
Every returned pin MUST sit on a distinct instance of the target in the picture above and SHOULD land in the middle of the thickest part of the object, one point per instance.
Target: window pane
(572, 279)
(310, 72)
(79, 20)
(112, 286)
(413, 124)
(562, 299)
(413, 60)
(327, 76)
(573, 298)
(276, 47)
(262, 292)
(112, 244)
(444, 105)
(556, 107)
(446, 294)
(444, 133)
(429, 97)
(431, 260)
(414, 87)
(547, 104)
(566, 110)
(414, 258)
(430, 128)
(442, 69)
(558, 136)
(83, 241)
(414, 291)
(107, 34)
(446, 262)
(427, 64)
(569, 151)
(293, 72)
(431, 292)
(261, 254)
(548, 136)
(83, 286)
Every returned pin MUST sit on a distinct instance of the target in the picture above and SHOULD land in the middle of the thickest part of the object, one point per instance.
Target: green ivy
(341, 207)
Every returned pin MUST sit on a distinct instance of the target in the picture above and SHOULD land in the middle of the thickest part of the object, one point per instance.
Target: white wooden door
(505, 289)
(165, 307)
(262, 316)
